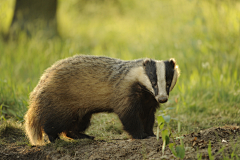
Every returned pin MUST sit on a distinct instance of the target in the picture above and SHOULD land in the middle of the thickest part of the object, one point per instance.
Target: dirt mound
(224, 143)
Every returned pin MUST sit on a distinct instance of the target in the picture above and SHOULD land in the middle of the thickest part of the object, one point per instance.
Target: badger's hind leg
(78, 128)
(52, 131)
(55, 124)
(52, 138)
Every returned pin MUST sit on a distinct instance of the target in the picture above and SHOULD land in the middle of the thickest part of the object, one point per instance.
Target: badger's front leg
(148, 122)
(132, 122)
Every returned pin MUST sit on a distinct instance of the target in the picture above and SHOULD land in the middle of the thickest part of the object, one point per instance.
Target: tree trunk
(34, 17)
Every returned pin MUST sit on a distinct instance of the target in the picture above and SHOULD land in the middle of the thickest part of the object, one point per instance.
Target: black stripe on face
(150, 69)
(169, 72)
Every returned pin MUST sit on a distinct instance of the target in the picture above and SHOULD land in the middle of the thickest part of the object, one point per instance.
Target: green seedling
(177, 150)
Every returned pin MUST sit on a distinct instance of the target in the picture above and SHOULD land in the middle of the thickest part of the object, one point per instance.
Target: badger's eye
(154, 83)
(168, 85)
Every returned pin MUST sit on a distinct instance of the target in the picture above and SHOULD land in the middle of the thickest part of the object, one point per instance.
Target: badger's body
(70, 91)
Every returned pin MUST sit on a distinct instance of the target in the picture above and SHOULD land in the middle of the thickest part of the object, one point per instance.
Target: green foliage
(161, 123)
(166, 132)
(2, 113)
(10, 131)
(177, 150)
(114, 129)
(180, 151)
(165, 137)
(211, 157)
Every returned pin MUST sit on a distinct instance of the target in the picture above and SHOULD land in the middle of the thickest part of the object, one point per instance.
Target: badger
(73, 89)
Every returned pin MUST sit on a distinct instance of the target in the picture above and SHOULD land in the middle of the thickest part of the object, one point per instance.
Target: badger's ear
(146, 61)
(172, 62)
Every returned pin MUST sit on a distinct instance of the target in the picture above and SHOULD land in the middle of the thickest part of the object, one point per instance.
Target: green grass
(202, 36)
(11, 132)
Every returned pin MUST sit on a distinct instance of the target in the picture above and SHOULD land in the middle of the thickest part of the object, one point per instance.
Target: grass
(203, 37)
(10, 132)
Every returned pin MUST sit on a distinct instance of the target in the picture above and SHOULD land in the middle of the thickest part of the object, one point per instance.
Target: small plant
(165, 133)
(211, 157)
(2, 117)
(177, 150)
(199, 156)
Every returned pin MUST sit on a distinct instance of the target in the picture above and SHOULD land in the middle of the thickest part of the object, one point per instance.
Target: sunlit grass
(202, 36)
(6, 13)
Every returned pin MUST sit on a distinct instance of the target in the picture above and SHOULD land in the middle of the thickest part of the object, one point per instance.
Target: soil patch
(224, 143)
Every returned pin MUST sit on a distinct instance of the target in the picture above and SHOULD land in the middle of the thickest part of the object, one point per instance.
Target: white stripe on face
(162, 93)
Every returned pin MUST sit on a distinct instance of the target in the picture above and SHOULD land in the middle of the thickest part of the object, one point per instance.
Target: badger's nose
(162, 99)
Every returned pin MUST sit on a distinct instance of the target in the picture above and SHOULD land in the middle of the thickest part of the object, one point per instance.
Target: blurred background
(202, 35)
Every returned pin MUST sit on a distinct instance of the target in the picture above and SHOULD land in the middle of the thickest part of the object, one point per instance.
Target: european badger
(71, 90)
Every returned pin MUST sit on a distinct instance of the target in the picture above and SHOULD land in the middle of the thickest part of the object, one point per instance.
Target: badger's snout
(162, 99)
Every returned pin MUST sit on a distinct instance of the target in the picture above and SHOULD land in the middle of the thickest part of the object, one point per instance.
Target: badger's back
(81, 80)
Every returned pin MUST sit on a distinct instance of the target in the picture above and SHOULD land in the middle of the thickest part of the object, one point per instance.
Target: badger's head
(163, 76)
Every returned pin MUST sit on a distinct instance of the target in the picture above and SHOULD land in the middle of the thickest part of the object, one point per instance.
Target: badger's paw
(140, 136)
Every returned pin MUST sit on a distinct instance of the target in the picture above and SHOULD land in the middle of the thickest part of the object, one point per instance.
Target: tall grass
(203, 37)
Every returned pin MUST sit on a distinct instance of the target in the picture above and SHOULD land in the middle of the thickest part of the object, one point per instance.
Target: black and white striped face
(163, 77)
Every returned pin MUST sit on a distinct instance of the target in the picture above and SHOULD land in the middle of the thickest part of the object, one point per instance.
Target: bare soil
(224, 143)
